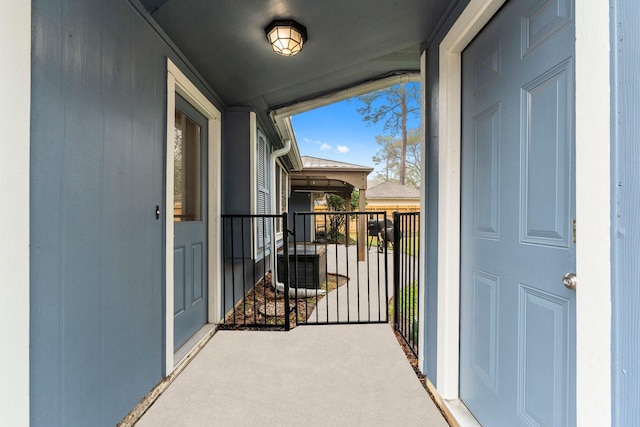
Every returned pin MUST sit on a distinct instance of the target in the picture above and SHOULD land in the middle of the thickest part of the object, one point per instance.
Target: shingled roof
(318, 163)
(392, 190)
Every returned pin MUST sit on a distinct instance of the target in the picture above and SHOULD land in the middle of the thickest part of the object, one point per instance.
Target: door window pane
(187, 175)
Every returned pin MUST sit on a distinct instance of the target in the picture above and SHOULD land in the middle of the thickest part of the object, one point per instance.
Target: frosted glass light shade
(287, 37)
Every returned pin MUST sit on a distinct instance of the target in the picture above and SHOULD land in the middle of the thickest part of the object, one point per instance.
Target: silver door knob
(570, 280)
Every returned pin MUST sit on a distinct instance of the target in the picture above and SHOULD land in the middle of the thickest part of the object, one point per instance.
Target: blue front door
(517, 349)
(190, 221)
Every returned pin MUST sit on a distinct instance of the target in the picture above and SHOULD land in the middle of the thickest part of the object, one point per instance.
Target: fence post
(396, 269)
(285, 271)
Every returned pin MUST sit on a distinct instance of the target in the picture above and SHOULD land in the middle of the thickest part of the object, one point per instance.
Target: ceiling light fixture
(286, 36)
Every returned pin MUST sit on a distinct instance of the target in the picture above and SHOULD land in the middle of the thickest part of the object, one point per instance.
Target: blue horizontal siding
(97, 173)
(625, 52)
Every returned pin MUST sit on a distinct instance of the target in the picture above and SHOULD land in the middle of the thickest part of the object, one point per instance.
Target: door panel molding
(542, 21)
(179, 269)
(550, 94)
(197, 254)
(549, 331)
(489, 68)
(486, 314)
(486, 170)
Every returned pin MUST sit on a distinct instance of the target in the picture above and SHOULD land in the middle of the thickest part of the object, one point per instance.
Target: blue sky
(337, 132)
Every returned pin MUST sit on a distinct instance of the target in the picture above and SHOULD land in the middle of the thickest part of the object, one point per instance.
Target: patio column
(347, 199)
(362, 238)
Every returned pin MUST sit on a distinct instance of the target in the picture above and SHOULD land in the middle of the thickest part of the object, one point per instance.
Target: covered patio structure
(330, 176)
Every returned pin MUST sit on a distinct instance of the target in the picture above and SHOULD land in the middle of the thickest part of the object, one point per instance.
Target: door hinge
(574, 230)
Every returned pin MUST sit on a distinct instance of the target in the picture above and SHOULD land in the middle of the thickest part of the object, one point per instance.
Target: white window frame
(15, 121)
(260, 252)
(179, 83)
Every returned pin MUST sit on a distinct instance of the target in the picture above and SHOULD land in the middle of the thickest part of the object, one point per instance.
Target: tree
(336, 203)
(389, 155)
(414, 158)
(392, 107)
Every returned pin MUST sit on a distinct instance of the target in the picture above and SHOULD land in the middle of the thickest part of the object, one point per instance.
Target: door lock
(570, 280)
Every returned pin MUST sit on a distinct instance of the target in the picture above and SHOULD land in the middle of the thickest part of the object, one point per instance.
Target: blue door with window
(517, 331)
(190, 221)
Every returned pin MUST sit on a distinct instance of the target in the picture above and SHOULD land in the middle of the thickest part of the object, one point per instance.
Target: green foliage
(389, 155)
(408, 302)
(335, 203)
(410, 244)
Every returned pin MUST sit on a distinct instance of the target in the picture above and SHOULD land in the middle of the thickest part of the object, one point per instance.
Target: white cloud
(342, 149)
(325, 147)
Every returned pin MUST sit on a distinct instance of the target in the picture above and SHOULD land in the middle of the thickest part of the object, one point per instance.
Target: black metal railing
(337, 274)
(406, 275)
(308, 268)
(251, 296)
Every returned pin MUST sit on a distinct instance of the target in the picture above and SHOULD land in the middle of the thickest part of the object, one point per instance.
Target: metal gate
(406, 277)
(321, 268)
(333, 266)
(339, 268)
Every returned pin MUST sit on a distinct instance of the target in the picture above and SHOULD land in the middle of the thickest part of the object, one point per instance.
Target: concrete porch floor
(336, 375)
(346, 375)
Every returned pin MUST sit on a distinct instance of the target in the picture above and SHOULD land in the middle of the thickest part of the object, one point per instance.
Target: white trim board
(341, 95)
(178, 83)
(15, 120)
(470, 22)
(593, 266)
(422, 277)
(593, 213)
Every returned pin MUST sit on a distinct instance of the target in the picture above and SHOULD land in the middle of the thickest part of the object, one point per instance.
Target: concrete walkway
(363, 297)
(340, 375)
(336, 375)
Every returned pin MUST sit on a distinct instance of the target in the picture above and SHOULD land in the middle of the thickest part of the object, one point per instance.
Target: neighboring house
(393, 197)
(128, 128)
(375, 181)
